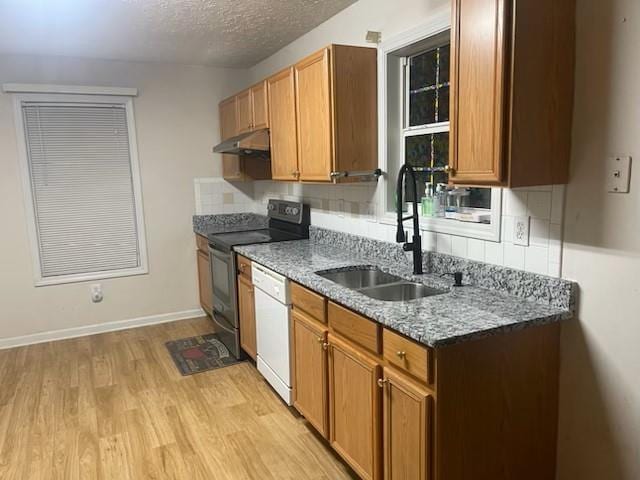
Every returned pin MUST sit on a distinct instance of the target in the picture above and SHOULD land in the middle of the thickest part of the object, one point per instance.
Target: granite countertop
(225, 223)
(463, 313)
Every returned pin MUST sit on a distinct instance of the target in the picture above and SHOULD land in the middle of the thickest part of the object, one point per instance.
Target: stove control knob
(271, 207)
(295, 211)
(287, 210)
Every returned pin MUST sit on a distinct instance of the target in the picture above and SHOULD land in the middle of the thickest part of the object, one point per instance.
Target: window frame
(392, 122)
(82, 95)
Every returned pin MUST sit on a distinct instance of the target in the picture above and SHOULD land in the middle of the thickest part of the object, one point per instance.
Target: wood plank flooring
(113, 406)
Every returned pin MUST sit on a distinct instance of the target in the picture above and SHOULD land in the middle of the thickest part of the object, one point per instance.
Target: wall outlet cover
(521, 231)
(96, 293)
(618, 174)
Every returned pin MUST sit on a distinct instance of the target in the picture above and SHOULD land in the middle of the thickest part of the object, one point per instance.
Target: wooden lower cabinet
(484, 409)
(407, 426)
(247, 316)
(355, 407)
(310, 374)
(204, 282)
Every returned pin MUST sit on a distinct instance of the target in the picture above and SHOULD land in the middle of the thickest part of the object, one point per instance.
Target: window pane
(443, 104)
(440, 149)
(423, 70)
(480, 198)
(443, 74)
(422, 108)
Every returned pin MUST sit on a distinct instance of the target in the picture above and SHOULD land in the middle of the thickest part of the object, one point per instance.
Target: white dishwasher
(272, 302)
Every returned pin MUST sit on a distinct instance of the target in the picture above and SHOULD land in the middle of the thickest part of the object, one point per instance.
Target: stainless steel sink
(399, 292)
(361, 278)
(380, 285)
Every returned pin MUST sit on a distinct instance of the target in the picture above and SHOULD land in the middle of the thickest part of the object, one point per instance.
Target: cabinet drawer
(311, 303)
(202, 243)
(407, 355)
(244, 267)
(354, 327)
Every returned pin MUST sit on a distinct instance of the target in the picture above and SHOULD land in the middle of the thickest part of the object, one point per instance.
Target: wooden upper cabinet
(314, 117)
(511, 92)
(244, 111)
(407, 427)
(228, 128)
(336, 112)
(282, 121)
(259, 106)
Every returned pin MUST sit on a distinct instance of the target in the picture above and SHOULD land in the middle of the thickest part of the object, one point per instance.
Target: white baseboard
(98, 328)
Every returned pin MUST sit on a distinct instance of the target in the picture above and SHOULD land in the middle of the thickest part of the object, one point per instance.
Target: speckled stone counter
(460, 314)
(228, 222)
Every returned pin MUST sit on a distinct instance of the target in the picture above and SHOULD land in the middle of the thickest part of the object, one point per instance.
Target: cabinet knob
(449, 169)
(382, 382)
(295, 173)
(320, 340)
(401, 354)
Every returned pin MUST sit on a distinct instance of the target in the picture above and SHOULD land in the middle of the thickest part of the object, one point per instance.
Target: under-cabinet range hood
(254, 143)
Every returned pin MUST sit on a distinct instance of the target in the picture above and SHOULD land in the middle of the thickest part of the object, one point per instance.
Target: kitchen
(325, 289)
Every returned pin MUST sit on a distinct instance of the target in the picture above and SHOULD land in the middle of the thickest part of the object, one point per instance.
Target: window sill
(481, 231)
(88, 277)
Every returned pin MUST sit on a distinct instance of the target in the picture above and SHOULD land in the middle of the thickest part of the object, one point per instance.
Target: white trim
(25, 175)
(439, 23)
(68, 89)
(94, 329)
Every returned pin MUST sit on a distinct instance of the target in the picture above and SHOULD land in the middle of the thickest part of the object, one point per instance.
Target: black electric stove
(287, 221)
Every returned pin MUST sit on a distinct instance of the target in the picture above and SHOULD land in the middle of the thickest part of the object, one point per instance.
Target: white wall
(599, 434)
(177, 124)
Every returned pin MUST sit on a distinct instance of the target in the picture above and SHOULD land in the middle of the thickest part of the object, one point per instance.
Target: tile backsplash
(215, 195)
(353, 209)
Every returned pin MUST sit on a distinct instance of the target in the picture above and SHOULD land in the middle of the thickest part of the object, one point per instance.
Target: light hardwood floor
(113, 406)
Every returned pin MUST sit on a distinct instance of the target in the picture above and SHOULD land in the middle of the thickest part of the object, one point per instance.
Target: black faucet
(401, 237)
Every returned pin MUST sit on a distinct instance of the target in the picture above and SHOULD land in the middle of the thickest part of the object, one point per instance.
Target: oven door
(223, 280)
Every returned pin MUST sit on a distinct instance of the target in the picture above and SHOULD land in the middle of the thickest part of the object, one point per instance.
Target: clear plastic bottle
(428, 200)
(440, 200)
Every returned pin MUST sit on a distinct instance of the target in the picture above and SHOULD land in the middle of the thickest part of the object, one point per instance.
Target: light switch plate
(521, 231)
(618, 174)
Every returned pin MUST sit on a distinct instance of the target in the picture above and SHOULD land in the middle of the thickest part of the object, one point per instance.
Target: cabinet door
(310, 371)
(282, 122)
(260, 106)
(228, 128)
(313, 109)
(247, 316)
(354, 408)
(244, 112)
(478, 83)
(407, 408)
(204, 282)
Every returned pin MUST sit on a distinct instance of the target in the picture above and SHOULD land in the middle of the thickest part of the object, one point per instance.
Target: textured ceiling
(230, 33)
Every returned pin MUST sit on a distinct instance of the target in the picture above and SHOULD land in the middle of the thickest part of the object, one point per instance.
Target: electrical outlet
(521, 231)
(96, 293)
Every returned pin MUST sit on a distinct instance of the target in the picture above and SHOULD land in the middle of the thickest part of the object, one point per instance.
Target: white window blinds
(82, 187)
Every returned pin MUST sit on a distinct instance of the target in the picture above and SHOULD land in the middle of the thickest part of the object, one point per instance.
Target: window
(414, 71)
(82, 186)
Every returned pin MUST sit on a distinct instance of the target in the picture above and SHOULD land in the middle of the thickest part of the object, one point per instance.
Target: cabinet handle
(449, 169)
(401, 354)
(295, 173)
(382, 382)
